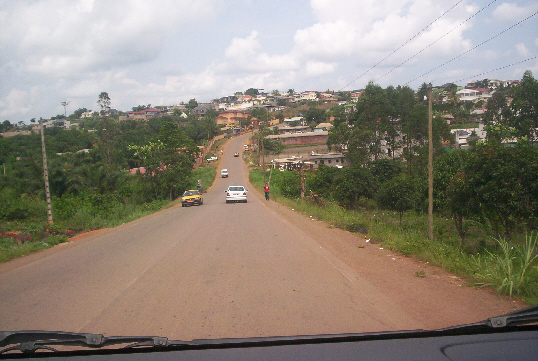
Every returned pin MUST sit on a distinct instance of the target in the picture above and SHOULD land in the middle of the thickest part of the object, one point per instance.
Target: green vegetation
(103, 175)
(485, 198)
(509, 267)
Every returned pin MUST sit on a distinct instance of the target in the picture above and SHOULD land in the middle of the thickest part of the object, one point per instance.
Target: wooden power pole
(430, 164)
(45, 173)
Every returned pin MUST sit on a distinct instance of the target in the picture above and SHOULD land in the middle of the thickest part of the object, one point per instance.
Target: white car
(236, 194)
(224, 173)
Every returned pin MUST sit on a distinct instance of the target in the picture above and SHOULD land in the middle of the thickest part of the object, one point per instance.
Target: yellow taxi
(192, 197)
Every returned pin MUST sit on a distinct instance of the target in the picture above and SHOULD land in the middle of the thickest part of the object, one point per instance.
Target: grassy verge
(510, 268)
(21, 238)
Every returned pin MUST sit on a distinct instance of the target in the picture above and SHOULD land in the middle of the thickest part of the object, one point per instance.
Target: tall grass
(513, 270)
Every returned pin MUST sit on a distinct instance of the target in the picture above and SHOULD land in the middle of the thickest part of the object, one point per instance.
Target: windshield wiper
(520, 317)
(31, 341)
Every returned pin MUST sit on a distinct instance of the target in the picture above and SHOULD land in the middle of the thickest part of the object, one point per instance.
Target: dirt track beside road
(431, 295)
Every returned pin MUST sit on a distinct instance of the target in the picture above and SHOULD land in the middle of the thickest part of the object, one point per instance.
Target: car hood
(191, 197)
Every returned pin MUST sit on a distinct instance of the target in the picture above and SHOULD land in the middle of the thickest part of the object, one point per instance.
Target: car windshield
(221, 169)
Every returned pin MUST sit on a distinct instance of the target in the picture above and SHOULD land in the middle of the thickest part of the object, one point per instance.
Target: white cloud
(66, 36)
(317, 68)
(522, 50)
(513, 12)
(14, 101)
(331, 40)
(167, 51)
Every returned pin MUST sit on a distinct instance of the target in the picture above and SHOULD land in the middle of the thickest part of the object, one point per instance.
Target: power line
(465, 52)
(429, 45)
(490, 71)
(401, 46)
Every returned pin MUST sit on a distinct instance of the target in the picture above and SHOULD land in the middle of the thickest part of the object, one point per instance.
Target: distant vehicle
(212, 159)
(236, 194)
(245, 146)
(224, 173)
(192, 198)
(236, 154)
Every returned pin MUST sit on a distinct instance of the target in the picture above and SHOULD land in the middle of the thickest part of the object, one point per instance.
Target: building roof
(294, 135)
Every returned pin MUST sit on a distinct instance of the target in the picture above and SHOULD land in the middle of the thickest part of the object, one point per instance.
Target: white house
(308, 95)
(299, 120)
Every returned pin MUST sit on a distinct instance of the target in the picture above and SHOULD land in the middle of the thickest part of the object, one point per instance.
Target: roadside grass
(206, 173)
(21, 238)
(509, 267)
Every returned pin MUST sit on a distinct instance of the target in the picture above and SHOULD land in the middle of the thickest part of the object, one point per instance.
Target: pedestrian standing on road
(266, 190)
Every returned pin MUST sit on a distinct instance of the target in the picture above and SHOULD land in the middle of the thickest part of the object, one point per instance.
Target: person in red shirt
(266, 190)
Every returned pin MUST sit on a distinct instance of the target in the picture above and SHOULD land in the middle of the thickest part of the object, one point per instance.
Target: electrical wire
(429, 45)
(473, 48)
(401, 46)
(490, 71)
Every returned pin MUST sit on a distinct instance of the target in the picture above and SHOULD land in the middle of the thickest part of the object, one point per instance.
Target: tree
(385, 170)
(398, 194)
(314, 116)
(351, 184)
(525, 108)
(104, 101)
(168, 161)
(450, 192)
(78, 113)
(252, 92)
(191, 104)
(5, 126)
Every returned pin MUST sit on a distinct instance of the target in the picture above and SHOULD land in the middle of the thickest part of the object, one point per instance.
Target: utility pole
(45, 173)
(430, 164)
(263, 155)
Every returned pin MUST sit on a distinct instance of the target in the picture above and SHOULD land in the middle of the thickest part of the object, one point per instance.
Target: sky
(164, 52)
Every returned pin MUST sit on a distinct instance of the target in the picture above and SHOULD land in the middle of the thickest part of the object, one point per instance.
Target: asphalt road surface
(228, 270)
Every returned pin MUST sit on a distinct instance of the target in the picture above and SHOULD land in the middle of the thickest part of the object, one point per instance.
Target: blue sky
(163, 52)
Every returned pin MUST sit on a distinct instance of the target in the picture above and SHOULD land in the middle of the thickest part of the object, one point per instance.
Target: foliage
(513, 270)
(410, 238)
(384, 170)
(274, 146)
(104, 101)
(14, 206)
(492, 184)
(518, 118)
(390, 119)
(313, 116)
(252, 92)
(322, 180)
(168, 161)
(288, 182)
(398, 194)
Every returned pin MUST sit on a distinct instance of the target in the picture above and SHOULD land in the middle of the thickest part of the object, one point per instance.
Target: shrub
(513, 271)
(289, 183)
(20, 207)
(398, 194)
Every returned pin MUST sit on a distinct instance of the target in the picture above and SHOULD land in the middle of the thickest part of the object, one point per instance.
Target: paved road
(217, 270)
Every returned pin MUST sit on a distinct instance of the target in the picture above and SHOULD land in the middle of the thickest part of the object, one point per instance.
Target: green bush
(398, 194)
(288, 182)
(20, 207)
